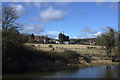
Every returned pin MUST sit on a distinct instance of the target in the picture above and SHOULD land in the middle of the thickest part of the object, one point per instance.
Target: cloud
(35, 18)
(53, 34)
(29, 19)
(88, 30)
(19, 8)
(51, 14)
(113, 7)
(30, 28)
(75, 37)
(87, 35)
(104, 28)
(97, 34)
(37, 4)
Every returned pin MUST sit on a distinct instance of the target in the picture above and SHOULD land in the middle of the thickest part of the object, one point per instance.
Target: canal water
(87, 72)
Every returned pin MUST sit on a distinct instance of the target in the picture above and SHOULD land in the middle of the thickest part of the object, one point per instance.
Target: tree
(12, 41)
(9, 16)
(66, 38)
(99, 41)
(63, 38)
(31, 38)
(11, 38)
(107, 40)
(118, 46)
(77, 41)
(32, 35)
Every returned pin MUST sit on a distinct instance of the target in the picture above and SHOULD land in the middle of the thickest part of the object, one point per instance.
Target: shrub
(50, 46)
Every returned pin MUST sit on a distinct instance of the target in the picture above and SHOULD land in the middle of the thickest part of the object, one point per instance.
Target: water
(87, 72)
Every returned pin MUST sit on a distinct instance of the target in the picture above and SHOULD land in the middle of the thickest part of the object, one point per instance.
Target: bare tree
(9, 16)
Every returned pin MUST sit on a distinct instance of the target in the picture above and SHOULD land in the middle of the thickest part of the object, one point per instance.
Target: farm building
(44, 39)
(57, 42)
(66, 42)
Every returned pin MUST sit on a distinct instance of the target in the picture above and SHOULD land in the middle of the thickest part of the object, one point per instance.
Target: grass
(98, 52)
(80, 49)
(28, 58)
(62, 47)
(42, 57)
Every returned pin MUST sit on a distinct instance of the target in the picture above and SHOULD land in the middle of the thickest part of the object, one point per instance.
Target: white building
(57, 42)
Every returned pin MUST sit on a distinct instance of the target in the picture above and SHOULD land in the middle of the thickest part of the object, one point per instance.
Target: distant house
(37, 38)
(66, 42)
(47, 40)
(44, 39)
(52, 40)
(57, 42)
(87, 43)
(72, 42)
(91, 42)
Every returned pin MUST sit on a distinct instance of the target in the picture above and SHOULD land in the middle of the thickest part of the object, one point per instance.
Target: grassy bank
(27, 58)
(30, 59)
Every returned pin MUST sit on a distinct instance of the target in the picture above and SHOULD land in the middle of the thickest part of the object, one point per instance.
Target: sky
(75, 19)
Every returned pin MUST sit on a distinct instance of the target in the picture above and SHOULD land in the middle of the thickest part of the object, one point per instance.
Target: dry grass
(62, 47)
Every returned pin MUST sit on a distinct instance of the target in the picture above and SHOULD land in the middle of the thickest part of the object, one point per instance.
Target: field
(94, 53)
(83, 49)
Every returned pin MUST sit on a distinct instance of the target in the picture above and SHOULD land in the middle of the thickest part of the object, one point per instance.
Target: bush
(50, 46)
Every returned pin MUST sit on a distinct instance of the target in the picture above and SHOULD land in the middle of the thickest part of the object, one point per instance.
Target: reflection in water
(88, 72)
(108, 72)
(119, 71)
(111, 72)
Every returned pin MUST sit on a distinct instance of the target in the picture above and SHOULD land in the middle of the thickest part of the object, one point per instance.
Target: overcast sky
(76, 19)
